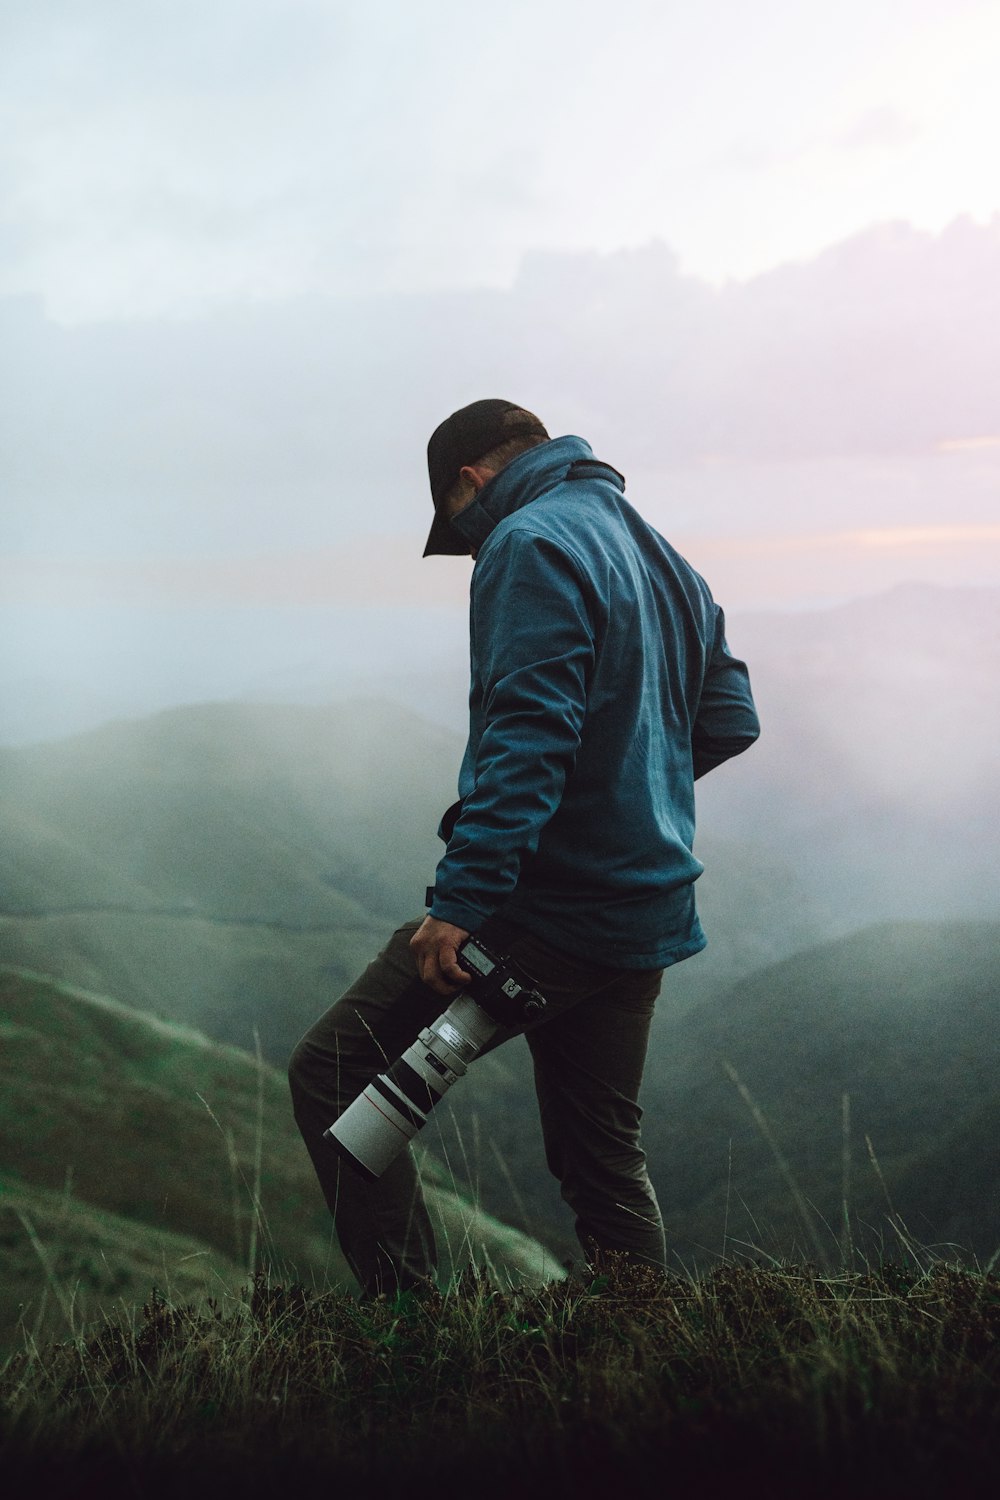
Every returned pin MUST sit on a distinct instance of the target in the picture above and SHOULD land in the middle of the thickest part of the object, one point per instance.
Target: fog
(199, 509)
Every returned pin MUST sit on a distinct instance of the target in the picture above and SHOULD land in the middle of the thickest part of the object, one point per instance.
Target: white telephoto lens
(382, 1121)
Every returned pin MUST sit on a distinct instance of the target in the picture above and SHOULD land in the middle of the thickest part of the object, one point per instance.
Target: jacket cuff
(457, 914)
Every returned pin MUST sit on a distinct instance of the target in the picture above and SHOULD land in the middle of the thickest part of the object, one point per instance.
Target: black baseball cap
(466, 435)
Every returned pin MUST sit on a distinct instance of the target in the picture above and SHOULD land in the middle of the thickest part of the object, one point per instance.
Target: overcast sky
(161, 156)
(251, 251)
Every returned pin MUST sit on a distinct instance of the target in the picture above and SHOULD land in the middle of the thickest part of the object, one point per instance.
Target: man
(602, 688)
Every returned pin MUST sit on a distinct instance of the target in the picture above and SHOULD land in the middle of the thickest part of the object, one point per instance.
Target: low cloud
(375, 573)
(853, 393)
(365, 574)
(879, 129)
(968, 445)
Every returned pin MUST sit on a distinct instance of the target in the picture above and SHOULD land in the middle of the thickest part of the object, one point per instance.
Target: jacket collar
(524, 479)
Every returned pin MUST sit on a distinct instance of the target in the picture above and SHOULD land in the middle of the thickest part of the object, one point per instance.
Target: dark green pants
(588, 1053)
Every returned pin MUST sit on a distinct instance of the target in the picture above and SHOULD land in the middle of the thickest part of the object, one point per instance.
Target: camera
(383, 1119)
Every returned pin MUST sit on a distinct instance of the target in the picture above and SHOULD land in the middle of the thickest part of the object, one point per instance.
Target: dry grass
(783, 1380)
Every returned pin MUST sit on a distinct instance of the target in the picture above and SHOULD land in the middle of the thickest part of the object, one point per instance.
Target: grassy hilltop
(778, 1382)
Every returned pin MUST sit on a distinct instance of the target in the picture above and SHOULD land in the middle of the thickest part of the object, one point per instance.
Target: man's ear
(476, 475)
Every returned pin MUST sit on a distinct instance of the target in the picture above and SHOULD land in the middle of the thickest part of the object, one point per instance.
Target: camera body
(385, 1117)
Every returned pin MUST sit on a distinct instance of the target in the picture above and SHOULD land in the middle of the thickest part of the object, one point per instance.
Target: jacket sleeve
(533, 643)
(726, 721)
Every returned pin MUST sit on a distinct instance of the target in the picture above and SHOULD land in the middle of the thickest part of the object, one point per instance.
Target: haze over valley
(231, 867)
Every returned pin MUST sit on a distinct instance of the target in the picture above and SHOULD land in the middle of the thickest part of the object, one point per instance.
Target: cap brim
(444, 541)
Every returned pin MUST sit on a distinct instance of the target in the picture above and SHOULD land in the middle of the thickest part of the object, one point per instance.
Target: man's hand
(435, 948)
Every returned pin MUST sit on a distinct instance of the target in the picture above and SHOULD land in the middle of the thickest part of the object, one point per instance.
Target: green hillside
(64, 1261)
(304, 816)
(229, 866)
(131, 1146)
(904, 1019)
(229, 979)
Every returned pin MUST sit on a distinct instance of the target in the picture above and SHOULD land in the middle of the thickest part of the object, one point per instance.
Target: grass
(782, 1379)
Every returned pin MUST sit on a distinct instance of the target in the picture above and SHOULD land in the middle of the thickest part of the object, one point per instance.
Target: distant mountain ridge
(235, 866)
(153, 805)
(876, 780)
(221, 862)
(877, 773)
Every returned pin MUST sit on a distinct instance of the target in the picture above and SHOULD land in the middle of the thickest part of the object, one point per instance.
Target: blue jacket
(601, 689)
